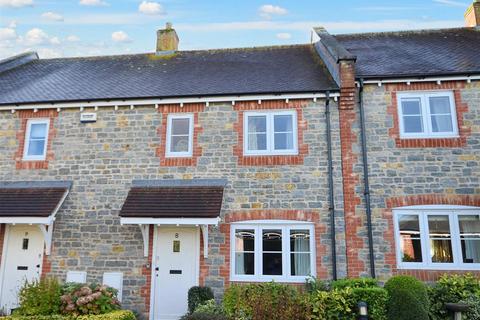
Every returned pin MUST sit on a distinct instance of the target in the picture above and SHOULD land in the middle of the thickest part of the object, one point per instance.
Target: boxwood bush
(354, 283)
(115, 315)
(197, 296)
(407, 298)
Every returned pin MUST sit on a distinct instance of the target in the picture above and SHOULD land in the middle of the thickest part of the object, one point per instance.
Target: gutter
(366, 180)
(331, 198)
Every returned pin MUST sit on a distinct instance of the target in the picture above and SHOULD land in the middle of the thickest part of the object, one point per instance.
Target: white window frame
(170, 118)
(453, 212)
(27, 139)
(285, 226)
(270, 133)
(425, 109)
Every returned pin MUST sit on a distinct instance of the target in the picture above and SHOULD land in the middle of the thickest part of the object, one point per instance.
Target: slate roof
(439, 52)
(268, 70)
(31, 198)
(173, 202)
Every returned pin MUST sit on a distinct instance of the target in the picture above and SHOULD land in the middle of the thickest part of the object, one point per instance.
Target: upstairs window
(440, 238)
(36, 139)
(270, 133)
(427, 115)
(272, 250)
(179, 135)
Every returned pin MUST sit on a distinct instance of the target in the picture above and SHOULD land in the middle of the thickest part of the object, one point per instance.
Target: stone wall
(102, 159)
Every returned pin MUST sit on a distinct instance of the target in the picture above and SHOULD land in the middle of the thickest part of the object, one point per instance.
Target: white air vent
(86, 117)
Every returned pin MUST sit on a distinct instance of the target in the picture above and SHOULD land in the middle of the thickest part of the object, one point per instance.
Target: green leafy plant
(451, 289)
(197, 296)
(81, 299)
(354, 283)
(114, 315)
(39, 298)
(211, 307)
(473, 312)
(203, 316)
(313, 284)
(407, 299)
(376, 299)
(266, 301)
(332, 305)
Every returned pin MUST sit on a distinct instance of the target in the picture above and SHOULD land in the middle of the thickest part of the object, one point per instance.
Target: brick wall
(102, 159)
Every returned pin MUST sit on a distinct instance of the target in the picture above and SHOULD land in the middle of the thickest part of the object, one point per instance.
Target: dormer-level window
(36, 139)
(427, 115)
(270, 133)
(179, 135)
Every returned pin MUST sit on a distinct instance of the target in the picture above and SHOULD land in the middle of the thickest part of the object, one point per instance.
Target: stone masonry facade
(103, 158)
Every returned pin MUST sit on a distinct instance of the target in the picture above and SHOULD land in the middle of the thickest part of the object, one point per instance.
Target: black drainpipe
(331, 198)
(365, 179)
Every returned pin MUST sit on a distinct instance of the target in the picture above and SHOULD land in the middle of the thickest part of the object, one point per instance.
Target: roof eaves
(18, 60)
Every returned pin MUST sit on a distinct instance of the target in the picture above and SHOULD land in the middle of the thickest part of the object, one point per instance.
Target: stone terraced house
(355, 155)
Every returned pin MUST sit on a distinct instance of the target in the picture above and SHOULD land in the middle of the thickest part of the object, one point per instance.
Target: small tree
(408, 299)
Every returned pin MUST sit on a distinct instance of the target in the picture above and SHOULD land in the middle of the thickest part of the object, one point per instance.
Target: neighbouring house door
(22, 261)
(176, 270)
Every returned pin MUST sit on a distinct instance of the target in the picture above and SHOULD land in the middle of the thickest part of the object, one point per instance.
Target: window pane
(284, 141)
(36, 147)
(300, 252)
(38, 131)
(181, 126)
(299, 241)
(179, 144)
(411, 107)
(300, 264)
(410, 243)
(412, 124)
(440, 239)
(442, 123)
(470, 237)
(439, 105)
(283, 123)
(257, 141)
(257, 124)
(244, 252)
(272, 251)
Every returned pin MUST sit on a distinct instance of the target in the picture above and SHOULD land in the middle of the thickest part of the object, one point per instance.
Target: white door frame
(156, 230)
(6, 238)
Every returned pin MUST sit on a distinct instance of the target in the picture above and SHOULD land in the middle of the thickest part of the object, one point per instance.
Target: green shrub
(354, 283)
(211, 307)
(376, 299)
(332, 305)
(39, 298)
(115, 315)
(407, 299)
(265, 301)
(81, 299)
(313, 284)
(198, 296)
(474, 312)
(451, 288)
(203, 316)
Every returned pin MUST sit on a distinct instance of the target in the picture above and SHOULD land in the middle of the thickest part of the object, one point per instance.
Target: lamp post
(362, 311)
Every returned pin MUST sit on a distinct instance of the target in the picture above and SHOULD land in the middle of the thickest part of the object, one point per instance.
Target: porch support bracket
(47, 231)
(145, 228)
(205, 240)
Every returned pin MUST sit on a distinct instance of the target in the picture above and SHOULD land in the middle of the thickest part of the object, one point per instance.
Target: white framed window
(179, 135)
(270, 133)
(427, 115)
(36, 139)
(272, 250)
(438, 237)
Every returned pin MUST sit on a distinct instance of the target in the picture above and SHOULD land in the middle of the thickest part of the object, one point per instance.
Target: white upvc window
(36, 139)
(272, 250)
(427, 115)
(270, 133)
(179, 135)
(438, 237)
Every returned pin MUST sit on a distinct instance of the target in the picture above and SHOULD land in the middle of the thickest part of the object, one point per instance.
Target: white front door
(176, 270)
(21, 261)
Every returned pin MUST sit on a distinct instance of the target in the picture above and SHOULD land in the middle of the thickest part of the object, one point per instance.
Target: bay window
(437, 237)
(269, 251)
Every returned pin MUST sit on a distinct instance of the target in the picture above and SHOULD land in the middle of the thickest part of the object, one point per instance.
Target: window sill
(270, 160)
(465, 267)
(446, 142)
(270, 279)
(31, 164)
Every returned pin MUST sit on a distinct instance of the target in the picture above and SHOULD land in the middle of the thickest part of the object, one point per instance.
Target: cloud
(37, 37)
(16, 3)
(73, 38)
(268, 10)
(284, 35)
(152, 8)
(120, 36)
(7, 34)
(52, 16)
(451, 3)
(93, 3)
(47, 53)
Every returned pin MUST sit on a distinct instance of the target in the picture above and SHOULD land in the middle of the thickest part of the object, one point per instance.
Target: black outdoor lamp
(362, 311)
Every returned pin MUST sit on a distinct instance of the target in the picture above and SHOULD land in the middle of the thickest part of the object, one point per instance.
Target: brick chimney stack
(472, 15)
(167, 40)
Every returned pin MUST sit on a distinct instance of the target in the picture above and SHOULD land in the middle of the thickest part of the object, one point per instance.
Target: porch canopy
(196, 202)
(33, 202)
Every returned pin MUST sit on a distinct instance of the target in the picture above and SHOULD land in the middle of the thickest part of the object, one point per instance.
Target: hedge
(115, 315)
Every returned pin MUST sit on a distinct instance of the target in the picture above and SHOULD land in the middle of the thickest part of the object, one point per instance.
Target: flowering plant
(78, 299)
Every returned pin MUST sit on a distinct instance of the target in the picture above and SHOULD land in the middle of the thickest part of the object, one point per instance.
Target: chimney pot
(167, 40)
(472, 15)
